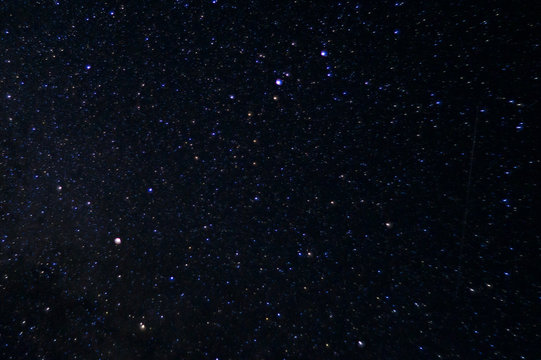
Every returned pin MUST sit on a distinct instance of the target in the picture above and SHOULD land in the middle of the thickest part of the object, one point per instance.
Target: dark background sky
(289, 180)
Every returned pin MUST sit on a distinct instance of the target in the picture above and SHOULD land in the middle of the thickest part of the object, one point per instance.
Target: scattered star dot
(288, 181)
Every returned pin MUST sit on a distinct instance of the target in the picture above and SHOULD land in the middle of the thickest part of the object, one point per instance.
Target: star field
(269, 180)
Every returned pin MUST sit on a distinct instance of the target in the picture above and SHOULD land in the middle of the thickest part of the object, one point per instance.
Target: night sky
(269, 180)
